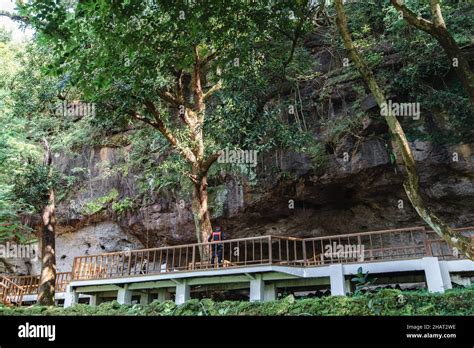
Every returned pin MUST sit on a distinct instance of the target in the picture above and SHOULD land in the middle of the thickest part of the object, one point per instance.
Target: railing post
(74, 268)
(305, 261)
(426, 243)
(270, 254)
(428, 251)
(130, 262)
(193, 264)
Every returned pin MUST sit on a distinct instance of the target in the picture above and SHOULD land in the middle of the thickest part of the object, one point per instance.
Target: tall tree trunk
(411, 184)
(202, 219)
(437, 29)
(46, 288)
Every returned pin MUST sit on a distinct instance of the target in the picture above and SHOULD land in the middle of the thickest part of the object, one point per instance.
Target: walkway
(262, 264)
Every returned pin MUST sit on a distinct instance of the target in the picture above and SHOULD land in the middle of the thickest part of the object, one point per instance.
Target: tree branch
(212, 90)
(198, 103)
(208, 163)
(143, 119)
(13, 17)
(205, 61)
(412, 18)
(435, 9)
(168, 97)
(161, 126)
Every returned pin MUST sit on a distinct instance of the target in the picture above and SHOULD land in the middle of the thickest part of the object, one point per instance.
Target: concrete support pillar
(434, 278)
(347, 286)
(146, 298)
(183, 293)
(336, 275)
(257, 288)
(71, 297)
(270, 292)
(163, 295)
(445, 275)
(124, 296)
(94, 300)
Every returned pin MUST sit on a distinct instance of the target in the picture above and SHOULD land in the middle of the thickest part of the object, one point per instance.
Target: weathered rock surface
(95, 239)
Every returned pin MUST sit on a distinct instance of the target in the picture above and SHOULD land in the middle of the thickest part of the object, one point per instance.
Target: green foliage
(362, 280)
(386, 302)
(426, 75)
(27, 115)
(421, 72)
(107, 49)
(99, 204)
(123, 205)
(5, 36)
(317, 152)
(31, 188)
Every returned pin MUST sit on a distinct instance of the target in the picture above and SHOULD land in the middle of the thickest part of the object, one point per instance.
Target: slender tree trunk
(411, 184)
(46, 288)
(202, 219)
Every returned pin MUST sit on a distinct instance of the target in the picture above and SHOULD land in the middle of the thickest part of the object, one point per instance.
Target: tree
(28, 187)
(411, 184)
(437, 29)
(34, 190)
(169, 65)
(47, 284)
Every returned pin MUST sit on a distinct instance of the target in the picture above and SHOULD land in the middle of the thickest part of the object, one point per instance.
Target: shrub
(386, 302)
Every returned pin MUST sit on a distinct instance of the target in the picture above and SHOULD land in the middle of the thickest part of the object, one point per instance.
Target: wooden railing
(30, 283)
(404, 243)
(436, 246)
(10, 293)
(190, 257)
(381, 245)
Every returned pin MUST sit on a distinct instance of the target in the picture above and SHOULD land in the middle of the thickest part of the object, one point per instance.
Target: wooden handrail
(259, 250)
(11, 292)
(30, 283)
(361, 234)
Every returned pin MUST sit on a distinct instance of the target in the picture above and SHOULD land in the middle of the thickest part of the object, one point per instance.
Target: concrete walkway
(263, 281)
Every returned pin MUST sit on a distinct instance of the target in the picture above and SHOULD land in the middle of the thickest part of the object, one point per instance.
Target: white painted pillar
(145, 299)
(124, 296)
(270, 292)
(434, 278)
(347, 286)
(445, 275)
(94, 300)
(183, 293)
(257, 288)
(71, 297)
(163, 295)
(336, 276)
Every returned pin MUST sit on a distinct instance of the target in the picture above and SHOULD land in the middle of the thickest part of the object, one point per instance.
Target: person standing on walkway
(216, 249)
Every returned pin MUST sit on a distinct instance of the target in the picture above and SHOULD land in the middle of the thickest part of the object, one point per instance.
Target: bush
(385, 302)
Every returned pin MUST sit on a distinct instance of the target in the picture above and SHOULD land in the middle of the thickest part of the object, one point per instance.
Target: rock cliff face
(357, 189)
